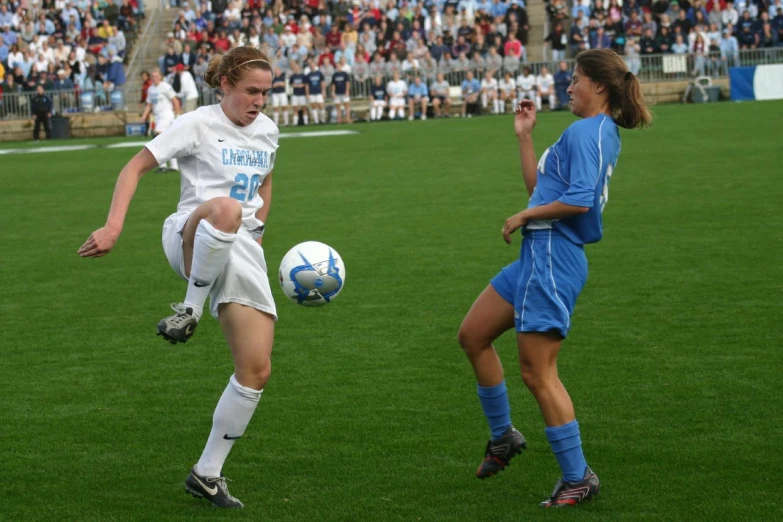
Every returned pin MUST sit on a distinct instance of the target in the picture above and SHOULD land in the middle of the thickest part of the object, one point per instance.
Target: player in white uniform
(489, 92)
(213, 240)
(526, 85)
(397, 90)
(164, 105)
(545, 86)
(507, 89)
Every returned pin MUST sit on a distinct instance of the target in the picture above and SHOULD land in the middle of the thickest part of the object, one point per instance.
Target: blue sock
(494, 402)
(567, 447)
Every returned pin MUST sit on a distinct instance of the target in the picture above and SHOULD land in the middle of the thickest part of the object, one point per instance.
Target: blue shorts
(544, 282)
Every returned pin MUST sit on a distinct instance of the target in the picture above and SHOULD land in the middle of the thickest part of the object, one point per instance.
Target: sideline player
(279, 97)
(164, 105)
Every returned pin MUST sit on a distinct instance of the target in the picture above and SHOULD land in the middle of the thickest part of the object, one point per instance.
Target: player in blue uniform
(379, 99)
(298, 83)
(568, 189)
(279, 97)
(341, 94)
(315, 92)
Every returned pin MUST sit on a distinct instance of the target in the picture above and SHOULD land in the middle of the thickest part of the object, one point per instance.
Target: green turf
(674, 360)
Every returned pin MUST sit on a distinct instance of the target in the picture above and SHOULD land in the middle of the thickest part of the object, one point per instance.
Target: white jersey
(397, 89)
(526, 83)
(160, 96)
(491, 85)
(545, 82)
(509, 86)
(218, 158)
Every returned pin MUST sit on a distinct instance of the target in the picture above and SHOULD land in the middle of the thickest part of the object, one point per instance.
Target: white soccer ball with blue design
(312, 274)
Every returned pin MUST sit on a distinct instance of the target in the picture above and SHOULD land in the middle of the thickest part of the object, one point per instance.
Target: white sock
(285, 118)
(277, 118)
(211, 249)
(484, 101)
(496, 106)
(323, 116)
(315, 116)
(538, 103)
(551, 101)
(306, 118)
(232, 415)
(174, 164)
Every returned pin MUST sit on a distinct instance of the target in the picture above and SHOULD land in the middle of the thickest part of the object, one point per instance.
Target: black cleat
(500, 452)
(179, 327)
(571, 494)
(213, 489)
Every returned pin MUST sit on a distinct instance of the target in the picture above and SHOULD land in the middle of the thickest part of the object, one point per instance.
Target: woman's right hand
(525, 119)
(100, 242)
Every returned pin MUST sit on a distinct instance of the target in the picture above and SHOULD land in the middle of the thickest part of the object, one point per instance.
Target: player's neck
(599, 109)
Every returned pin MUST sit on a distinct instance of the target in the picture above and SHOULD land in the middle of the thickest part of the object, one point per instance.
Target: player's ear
(225, 85)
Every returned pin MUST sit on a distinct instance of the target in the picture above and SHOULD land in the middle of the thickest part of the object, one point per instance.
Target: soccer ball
(312, 274)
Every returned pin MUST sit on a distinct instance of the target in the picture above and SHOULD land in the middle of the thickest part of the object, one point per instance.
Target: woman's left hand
(513, 224)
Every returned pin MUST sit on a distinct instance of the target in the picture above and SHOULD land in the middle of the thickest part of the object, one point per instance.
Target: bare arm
(265, 191)
(146, 113)
(524, 122)
(527, 158)
(550, 211)
(177, 106)
(103, 240)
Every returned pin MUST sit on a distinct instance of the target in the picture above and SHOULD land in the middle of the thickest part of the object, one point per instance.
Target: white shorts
(162, 124)
(279, 99)
(397, 102)
(379, 103)
(244, 280)
(298, 101)
(316, 98)
(530, 95)
(341, 98)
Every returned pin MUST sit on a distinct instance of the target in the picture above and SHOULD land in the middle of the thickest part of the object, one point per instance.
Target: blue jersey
(378, 92)
(298, 84)
(340, 82)
(418, 90)
(576, 171)
(314, 79)
(278, 79)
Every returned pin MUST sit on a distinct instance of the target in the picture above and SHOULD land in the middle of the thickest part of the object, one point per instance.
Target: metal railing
(141, 48)
(649, 68)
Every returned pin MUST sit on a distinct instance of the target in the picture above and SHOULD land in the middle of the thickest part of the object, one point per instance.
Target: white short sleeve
(180, 139)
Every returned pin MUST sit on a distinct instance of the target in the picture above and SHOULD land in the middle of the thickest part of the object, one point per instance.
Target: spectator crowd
(406, 39)
(63, 45)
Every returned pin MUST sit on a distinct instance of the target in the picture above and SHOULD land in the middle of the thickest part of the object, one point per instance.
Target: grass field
(674, 361)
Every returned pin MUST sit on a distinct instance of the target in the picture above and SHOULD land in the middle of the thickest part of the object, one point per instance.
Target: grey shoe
(499, 453)
(213, 489)
(179, 327)
(571, 494)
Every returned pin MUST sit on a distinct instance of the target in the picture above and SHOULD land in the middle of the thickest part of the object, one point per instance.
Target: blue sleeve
(584, 166)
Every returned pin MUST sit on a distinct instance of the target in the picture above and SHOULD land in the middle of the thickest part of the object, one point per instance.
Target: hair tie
(628, 76)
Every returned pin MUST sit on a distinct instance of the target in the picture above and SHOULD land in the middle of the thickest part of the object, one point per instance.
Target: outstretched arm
(103, 240)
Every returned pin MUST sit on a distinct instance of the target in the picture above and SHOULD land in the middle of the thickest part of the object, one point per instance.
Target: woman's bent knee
(225, 214)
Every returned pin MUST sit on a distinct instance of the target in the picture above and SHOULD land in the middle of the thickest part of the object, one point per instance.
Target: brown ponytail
(235, 63)
(626, 99)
